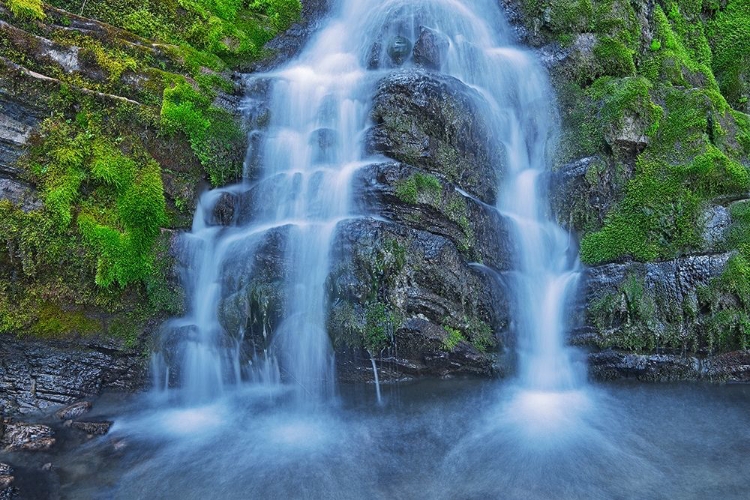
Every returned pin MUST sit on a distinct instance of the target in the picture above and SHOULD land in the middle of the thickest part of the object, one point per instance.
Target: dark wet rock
(19, 194)
(399, 49)
(431, 48)
(584, 191)
(288, 44)
(628, 134)
(19, 117)
(224, 209)
(18, 436)
(553, 55)
(254, 290)
(432, 122)
(93, 428)
(36, 375)
(674, 281)
(74, 411)
(476, 229)
(402, 292)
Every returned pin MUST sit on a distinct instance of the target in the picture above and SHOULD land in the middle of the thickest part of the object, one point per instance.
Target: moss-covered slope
(112, 114)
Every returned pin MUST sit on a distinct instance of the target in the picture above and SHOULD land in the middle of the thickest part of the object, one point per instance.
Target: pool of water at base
(437, 439)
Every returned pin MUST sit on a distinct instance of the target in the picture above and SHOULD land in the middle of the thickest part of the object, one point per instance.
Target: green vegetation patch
(29, 9)
(116, 200)
(728, 33)
(213, 133)
(418, 187)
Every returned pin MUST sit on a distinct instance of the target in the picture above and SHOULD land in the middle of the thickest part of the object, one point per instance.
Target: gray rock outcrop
(37, 375)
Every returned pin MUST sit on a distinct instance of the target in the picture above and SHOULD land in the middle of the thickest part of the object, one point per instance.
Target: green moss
(627, 318)
(452, 338)
(234, 31)
(121, 209)
(614, 57)
(659, 216)
(480, 334)
(621, 97)
(29, 9)
(727, 300)
(54, 322)
(729, 36)
(213, 133)
(379, 328)
(675, 177)
(418, 187)
(684, 58)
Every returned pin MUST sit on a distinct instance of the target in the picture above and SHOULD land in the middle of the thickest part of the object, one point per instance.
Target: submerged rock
(93, 428)
(7, 491)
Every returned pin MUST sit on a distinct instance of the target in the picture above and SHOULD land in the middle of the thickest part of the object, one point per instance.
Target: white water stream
(313, 144)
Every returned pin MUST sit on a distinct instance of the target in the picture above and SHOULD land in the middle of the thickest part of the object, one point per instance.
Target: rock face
(612, 365)
(407, 195)
(36, 375)
(646, 321)
(583, 192)
(430, 121)
(289, 43)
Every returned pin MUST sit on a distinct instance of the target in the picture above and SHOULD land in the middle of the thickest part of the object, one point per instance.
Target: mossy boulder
(408, 297)
(432, 122)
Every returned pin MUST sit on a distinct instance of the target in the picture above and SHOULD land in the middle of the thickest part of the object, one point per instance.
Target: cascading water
(445, 440)
(312, 145)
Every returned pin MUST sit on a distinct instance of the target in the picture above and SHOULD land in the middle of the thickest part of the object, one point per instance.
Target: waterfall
(309, 147)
